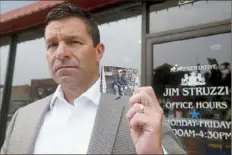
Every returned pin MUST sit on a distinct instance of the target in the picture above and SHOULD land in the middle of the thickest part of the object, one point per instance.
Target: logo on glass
(194, 79)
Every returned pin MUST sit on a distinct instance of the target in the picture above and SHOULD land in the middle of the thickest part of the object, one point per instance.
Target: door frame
(202, 30)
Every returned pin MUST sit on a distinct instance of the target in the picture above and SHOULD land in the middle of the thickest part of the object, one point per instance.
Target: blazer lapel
(106, 125)
(34, 126)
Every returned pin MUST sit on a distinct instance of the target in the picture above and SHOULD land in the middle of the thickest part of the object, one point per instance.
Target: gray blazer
(110, 133)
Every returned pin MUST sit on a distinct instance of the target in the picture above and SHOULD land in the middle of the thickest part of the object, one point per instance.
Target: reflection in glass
(122, 43)
(4, 51)
(192, 80)
(31, 78)
(200, 12)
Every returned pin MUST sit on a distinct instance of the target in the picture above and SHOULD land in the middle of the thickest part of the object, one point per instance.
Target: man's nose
(63, 51)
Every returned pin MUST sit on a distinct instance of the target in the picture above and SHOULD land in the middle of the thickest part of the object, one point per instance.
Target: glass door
(188, 63)
(192, 79)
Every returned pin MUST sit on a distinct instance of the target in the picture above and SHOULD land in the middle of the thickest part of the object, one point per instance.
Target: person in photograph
(78, 118)
(120, 83)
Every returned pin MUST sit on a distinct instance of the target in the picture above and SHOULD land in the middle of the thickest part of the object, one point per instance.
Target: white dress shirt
(67, 127)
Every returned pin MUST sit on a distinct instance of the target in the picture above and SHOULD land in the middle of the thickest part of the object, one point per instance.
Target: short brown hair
(69, 10)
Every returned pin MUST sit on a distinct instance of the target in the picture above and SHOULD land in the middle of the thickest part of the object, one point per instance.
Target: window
(194, 89)
(163, 17)
(31, 77)
(4, 51)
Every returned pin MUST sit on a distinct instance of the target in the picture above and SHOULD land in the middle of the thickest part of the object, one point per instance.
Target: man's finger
(139, 121)
(142, 97)
(147, 89)
(134, 109)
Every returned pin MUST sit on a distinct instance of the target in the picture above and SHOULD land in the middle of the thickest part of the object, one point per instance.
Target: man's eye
(52, 45)
(74, 42)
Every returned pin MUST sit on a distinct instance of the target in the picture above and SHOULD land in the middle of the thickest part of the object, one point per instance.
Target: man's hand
(145, 121)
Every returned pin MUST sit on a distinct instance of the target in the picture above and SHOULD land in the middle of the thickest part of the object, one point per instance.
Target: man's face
(120, 74)
(71, 55)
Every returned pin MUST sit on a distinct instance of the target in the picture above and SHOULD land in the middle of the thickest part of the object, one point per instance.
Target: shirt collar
(93, 94)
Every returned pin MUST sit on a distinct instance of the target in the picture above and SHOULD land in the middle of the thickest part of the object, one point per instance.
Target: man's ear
(100, 51)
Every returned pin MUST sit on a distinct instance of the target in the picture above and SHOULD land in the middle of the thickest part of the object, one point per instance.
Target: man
(120, 83)
(77, 118)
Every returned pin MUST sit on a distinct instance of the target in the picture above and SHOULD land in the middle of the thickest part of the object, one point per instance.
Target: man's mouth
(65, 67)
